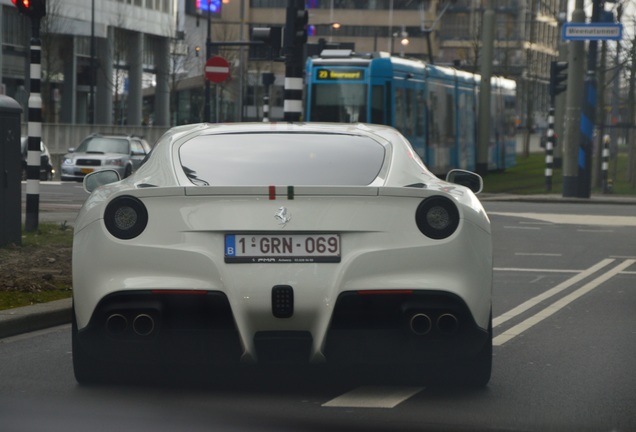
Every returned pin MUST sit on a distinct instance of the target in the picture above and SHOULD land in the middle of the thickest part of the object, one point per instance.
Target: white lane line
(521, 227)
(559, 304)
(535, 270)
(373, 397)
(574, 219)
(549, 293)
(538, 254)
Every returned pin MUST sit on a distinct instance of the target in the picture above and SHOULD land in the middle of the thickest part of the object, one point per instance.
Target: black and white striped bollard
(34, 131)
(549, 150)
(605, 163)
(265, 109)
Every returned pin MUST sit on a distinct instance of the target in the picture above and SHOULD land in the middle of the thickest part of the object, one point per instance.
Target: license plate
(86, 170)
(282, 248)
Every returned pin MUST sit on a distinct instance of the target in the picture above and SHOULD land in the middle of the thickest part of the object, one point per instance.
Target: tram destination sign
(324, 74)
(592, 31)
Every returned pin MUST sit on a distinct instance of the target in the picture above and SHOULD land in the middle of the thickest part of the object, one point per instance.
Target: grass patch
(38, 270)
(48, 234)
(528, 177)
(9, 300)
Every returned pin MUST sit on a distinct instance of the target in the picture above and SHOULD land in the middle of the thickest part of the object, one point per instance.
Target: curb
(36, 317)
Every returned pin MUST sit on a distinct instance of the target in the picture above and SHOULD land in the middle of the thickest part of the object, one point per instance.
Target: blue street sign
(592, 31)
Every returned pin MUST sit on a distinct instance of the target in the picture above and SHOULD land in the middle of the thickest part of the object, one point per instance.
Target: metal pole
(242, 58)
(35, 131)
(559, 102)
(293, 103)
(93, 68)
(487, 40)
(574, 98)
(208, 54)
(588, 115)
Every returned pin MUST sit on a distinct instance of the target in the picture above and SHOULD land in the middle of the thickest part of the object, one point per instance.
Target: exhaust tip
(447, 323)
(143, 324)
(420, 324)
(116, 324)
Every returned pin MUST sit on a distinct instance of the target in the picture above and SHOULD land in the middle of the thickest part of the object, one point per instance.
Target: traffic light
(271, 38)
(296, 25)
(31, 8)
(300, 27)
(558, 76)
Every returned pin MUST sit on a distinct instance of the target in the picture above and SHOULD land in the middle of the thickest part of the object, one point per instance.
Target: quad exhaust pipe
(142, 325)
(421, 324)
(116, 324)
(447, 323)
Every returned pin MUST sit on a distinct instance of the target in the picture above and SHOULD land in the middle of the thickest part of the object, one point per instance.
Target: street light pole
(93, 74)
(487, 41)
(572, 115)
(208, 54)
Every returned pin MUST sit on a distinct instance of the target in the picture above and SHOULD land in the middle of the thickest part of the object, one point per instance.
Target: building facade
(94, 53)
(141, 62)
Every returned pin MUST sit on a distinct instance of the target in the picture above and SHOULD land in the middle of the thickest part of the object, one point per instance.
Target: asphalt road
(564, 302)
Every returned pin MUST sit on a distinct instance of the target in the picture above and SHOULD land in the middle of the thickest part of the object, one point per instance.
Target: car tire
(475, 372)
(479, 370)
(128, 171)
(87, 368)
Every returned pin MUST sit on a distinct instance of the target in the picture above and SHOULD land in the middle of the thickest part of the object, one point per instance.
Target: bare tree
(52, 57)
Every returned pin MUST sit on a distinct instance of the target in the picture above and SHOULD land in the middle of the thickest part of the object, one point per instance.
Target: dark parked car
(121, 153)
(46, 169)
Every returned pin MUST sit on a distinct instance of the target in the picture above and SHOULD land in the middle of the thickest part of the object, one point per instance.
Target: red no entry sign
(217, 69)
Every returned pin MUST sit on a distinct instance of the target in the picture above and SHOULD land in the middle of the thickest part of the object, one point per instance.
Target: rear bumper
(366, 328)
(147, 327)
(412, 328)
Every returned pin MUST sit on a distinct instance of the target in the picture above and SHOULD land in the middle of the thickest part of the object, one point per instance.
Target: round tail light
(126, 217)
(437, 217)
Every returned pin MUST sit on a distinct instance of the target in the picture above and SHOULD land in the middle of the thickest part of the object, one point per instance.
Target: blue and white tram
(434, 107)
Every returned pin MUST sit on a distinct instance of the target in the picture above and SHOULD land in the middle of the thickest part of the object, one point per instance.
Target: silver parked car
(98, 152)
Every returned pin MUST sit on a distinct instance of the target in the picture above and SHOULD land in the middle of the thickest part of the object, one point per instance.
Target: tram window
(420, 119)
(450, 116)
(377, 104)
(409, 118)
(434, 120)
(399, 109)
(344, 103)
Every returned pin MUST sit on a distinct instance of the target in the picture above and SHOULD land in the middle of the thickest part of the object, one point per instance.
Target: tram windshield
(339, 103)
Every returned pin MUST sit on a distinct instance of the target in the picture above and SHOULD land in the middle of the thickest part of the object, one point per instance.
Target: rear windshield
(282, 159)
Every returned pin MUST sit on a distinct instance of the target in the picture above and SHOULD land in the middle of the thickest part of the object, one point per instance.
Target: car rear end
(348, 261)
(284, 272)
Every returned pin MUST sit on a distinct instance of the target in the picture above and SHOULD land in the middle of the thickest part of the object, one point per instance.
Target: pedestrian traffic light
(558, 76)
(31, 8)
